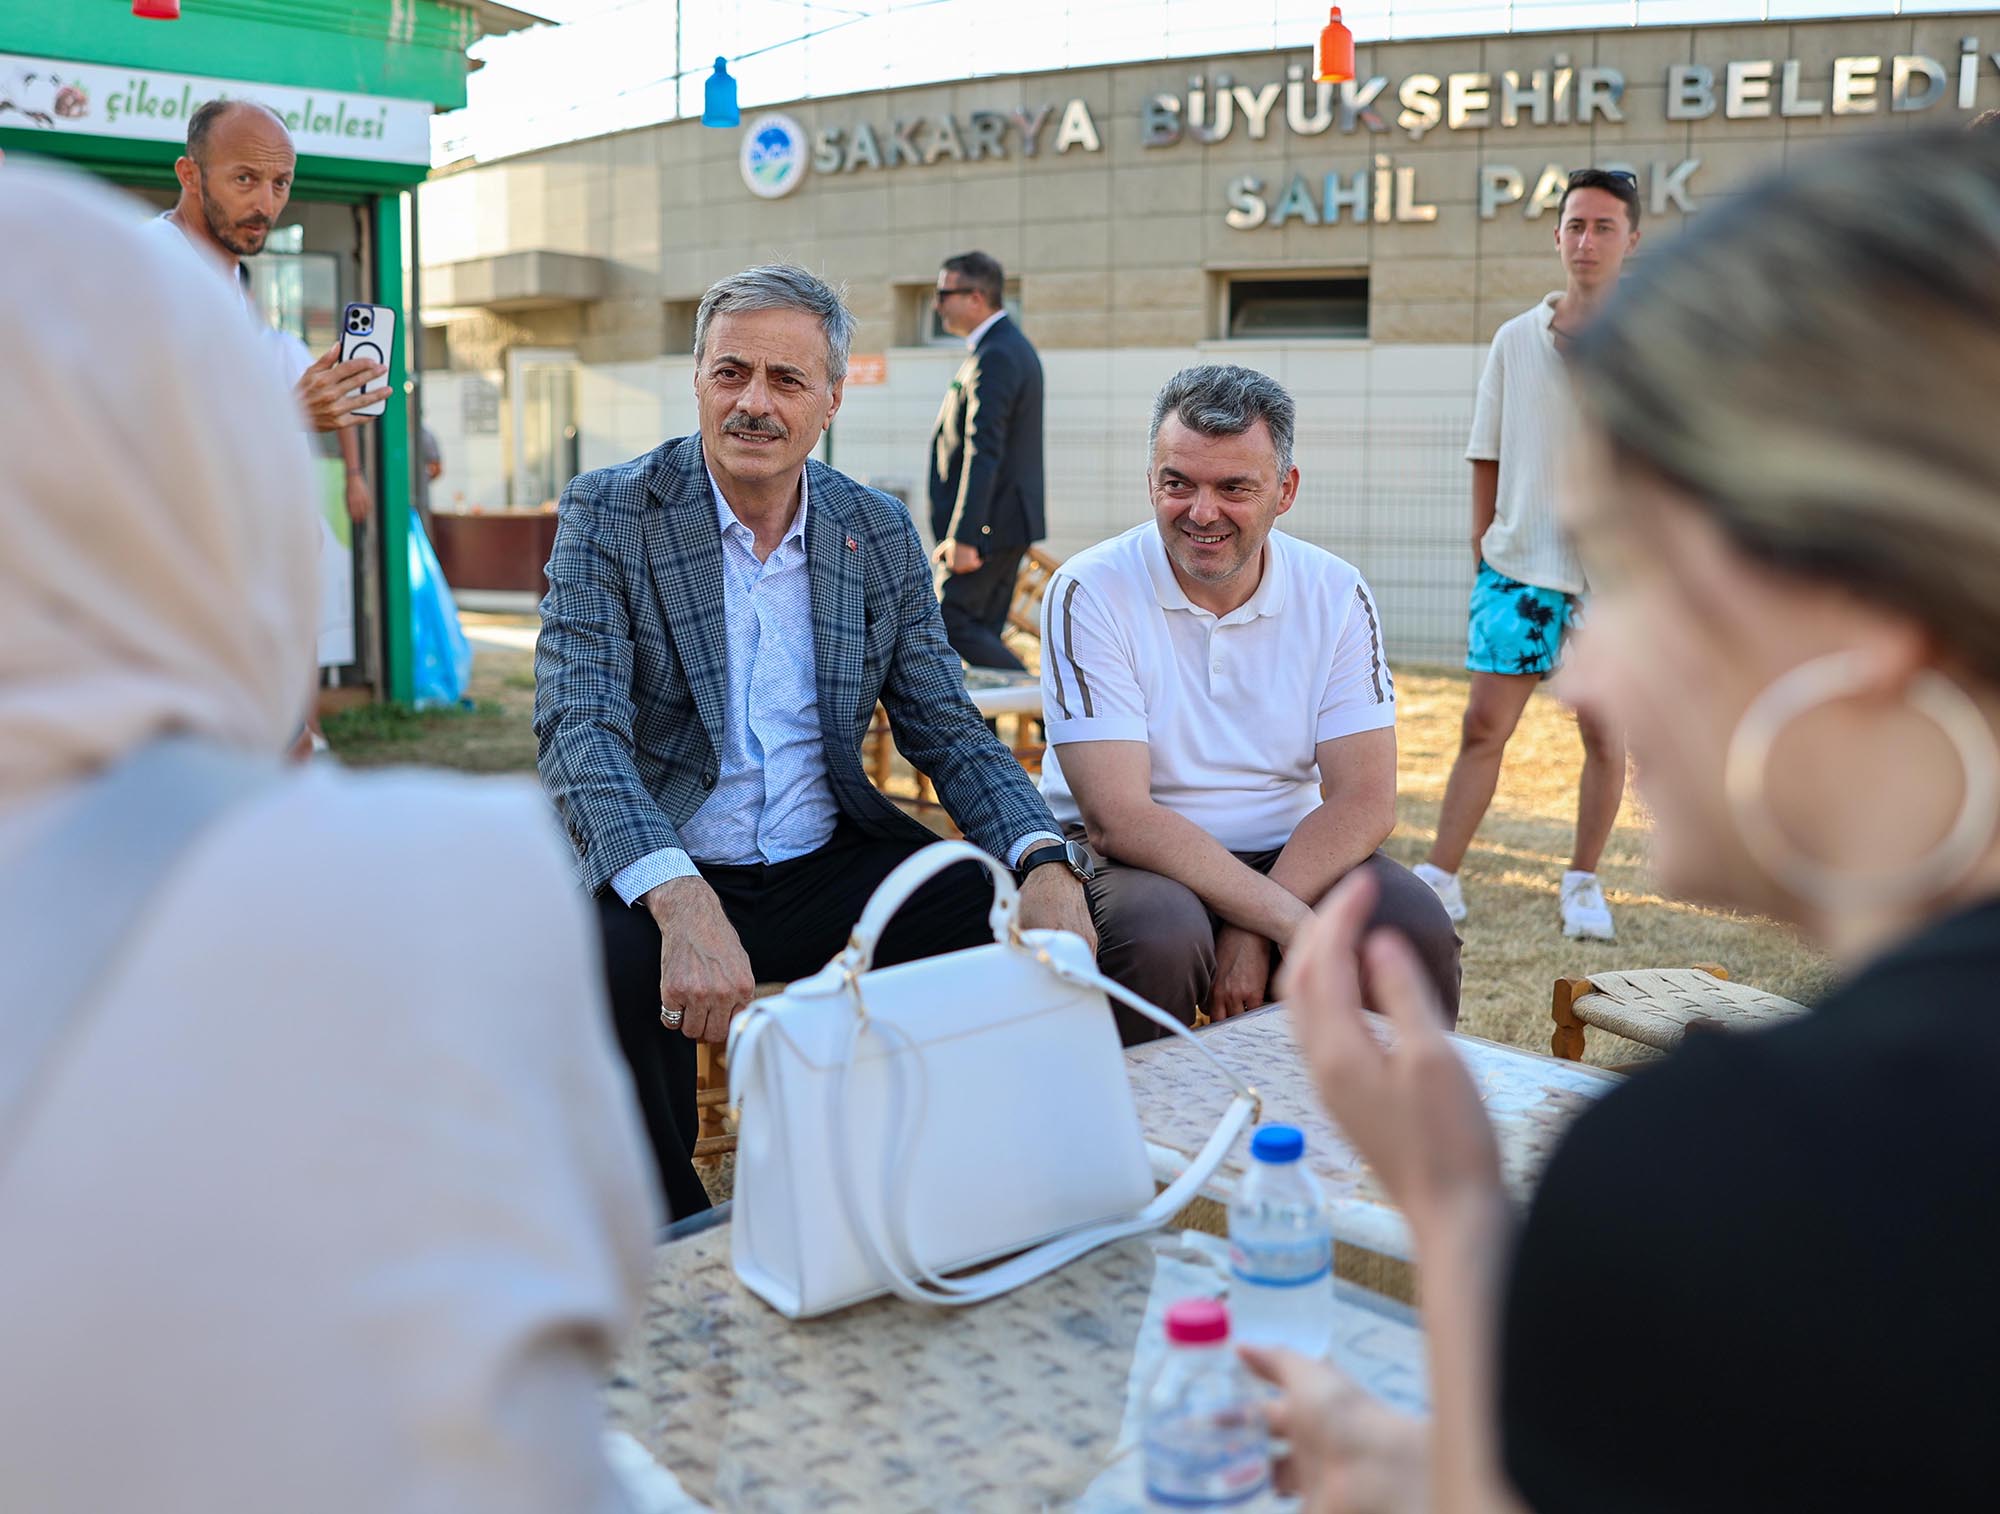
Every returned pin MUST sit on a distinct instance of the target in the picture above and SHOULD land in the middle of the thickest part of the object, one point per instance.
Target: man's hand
(360, 498)
(1242, 973)
(962, 558)
(1410, 1111)
(704, 972)
(1349, 1453)
(322, 391)
(1053, 899)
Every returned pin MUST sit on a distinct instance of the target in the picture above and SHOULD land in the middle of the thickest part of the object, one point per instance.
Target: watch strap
(1053, 851)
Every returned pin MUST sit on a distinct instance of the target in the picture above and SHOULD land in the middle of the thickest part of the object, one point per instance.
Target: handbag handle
(927, 1287)
(912, 874)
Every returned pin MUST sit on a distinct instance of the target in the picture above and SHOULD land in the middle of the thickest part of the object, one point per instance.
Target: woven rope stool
(715, 1131)
(1657, 1007)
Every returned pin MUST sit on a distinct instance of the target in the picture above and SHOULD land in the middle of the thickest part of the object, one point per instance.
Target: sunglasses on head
(1610, 173)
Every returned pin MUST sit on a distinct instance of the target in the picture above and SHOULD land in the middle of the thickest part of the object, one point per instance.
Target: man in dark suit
(722, 616)
(986, 461)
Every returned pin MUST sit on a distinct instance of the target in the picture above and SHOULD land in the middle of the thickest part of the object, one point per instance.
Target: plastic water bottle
(1204, 1437)
(1281, 1249)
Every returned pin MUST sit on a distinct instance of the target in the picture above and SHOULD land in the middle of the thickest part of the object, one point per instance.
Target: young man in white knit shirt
(1529, 584)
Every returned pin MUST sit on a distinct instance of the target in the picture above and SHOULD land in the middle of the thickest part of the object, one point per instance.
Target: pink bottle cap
(1198, 1322)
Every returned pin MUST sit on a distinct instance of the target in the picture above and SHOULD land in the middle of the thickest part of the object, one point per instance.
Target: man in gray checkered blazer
(722, 617)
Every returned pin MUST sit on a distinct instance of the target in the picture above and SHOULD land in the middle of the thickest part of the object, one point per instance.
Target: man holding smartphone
(236, 179)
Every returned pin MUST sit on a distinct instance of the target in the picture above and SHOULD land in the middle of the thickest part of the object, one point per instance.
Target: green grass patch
(484, 737)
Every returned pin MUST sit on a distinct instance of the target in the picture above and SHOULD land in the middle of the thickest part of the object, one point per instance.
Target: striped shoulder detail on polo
(1381, 679)
(1069, 647)
(1051, 596)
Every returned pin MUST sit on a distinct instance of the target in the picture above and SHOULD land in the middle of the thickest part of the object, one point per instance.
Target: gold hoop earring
(1839, 676)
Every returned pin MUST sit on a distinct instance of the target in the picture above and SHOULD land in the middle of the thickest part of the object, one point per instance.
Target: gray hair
(1220, 399)
(1815, 368)
(781, 286)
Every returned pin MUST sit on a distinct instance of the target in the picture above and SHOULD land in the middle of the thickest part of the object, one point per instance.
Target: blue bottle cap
(1278, 1143)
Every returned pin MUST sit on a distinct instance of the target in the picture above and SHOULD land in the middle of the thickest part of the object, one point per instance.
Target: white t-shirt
(1233, 708)
(289, 356)
(1525, 417)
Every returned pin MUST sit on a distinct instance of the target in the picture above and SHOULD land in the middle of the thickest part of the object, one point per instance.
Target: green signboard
(356, 82)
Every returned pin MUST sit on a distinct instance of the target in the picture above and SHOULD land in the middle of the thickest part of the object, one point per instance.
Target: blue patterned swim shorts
(1516, 627)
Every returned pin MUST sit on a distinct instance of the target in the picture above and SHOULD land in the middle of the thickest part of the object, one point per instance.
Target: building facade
(1360, 242)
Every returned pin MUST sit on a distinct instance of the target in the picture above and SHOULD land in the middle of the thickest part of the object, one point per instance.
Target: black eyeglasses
(1609, 173)
(944, 292)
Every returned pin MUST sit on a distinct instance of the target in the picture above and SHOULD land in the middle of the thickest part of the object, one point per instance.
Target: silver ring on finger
(671, 1018)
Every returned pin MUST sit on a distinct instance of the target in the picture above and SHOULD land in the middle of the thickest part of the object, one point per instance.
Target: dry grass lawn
(1514, 949)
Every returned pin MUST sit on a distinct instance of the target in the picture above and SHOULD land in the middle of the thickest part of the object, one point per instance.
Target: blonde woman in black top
(1760, 1276)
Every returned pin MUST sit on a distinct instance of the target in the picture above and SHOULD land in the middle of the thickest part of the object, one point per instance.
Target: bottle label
(1207, 1461)
(1282, 1264)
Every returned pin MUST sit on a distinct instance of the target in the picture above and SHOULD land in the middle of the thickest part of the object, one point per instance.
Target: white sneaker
(1445, 886)
(1585, 915)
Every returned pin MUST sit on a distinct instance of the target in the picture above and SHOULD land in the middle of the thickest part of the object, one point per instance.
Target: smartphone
(370, 331)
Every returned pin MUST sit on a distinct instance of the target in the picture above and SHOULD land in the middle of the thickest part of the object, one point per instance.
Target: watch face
(1079, 860)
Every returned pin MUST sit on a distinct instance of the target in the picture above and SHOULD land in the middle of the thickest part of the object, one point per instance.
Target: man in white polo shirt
(1528, 583)
(1222, 724)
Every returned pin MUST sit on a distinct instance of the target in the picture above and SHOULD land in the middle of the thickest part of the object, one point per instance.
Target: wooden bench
(1656, 1007)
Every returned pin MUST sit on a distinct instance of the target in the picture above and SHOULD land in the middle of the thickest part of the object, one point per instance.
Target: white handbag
(900, 1125)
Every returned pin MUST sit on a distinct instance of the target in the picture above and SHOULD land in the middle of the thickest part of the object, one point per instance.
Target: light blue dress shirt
(771, 801)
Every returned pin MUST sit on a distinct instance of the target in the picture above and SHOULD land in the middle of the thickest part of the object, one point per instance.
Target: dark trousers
(1157, 938)
(974, 606)
(792, 918)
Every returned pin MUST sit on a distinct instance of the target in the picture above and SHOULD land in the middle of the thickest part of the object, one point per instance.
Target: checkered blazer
(630, 671)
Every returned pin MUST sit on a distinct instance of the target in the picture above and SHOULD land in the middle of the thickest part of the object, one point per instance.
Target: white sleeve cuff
(650, 871)
(1028, 843)
(1097, 728)
(1352, 722)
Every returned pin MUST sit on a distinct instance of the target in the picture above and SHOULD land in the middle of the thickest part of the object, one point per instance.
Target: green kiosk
(109, 85)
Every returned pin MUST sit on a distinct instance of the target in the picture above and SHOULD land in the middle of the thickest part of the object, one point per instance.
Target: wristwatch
(1069, 853)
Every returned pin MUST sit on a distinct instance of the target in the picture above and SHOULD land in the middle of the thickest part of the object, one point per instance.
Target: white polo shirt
(1523, 419)
(1233, 708)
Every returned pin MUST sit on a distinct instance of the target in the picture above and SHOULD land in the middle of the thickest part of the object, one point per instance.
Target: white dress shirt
(972, 337)
(771, 801)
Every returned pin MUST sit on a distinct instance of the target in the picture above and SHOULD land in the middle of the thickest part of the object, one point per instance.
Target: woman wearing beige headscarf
(330, 1197)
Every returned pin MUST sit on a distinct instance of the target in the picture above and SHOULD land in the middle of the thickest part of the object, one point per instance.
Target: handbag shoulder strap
(77, 895)
(990, 1282)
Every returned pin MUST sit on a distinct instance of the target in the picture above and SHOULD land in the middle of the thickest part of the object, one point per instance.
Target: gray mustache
(754, 426)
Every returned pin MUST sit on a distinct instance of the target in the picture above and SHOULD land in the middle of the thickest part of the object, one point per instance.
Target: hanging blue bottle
(718, 101)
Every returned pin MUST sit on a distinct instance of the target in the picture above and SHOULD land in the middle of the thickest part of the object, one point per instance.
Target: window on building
(1266, 309)
(542, 387)
(298, 291)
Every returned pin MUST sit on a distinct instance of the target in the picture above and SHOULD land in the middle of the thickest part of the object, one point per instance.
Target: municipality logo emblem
(773, 158)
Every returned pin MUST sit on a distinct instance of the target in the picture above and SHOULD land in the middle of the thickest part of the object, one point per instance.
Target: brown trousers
(1157, 938)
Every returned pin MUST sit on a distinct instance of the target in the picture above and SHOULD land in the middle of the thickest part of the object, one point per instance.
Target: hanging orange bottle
(1336, 51)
